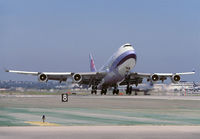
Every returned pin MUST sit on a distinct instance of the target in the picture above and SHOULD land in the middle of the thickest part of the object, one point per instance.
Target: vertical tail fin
(92, 65)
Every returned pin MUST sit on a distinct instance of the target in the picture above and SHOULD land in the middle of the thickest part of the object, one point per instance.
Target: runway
(100, 110)
(101, 132)
(99, 117)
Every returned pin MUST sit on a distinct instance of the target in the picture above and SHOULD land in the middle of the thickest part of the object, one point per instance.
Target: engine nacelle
(175, 78)
(42, 78)
(77, 78)
(154, 78)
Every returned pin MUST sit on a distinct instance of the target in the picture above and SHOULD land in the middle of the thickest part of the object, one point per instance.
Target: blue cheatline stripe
(122, 58)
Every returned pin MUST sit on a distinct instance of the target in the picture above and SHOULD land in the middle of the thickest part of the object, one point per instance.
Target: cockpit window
(127, 45)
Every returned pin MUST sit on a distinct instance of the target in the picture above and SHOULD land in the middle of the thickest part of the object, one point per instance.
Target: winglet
(92, 65)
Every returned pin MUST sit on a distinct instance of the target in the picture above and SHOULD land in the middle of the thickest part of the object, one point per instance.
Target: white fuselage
(118, 66)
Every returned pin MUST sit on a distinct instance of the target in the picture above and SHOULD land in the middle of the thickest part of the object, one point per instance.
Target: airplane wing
(137, 78)
(94, 78)
(23, 72)
(45, 76)
(88, 78)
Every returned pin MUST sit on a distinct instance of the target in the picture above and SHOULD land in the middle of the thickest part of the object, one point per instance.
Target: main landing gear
(94, 90)
(115, 91)
(103, 91)
(129, 90)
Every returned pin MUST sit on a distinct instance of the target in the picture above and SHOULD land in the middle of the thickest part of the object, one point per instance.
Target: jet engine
(154, 78)
(43, 77)
(77, 78)
(175, 78)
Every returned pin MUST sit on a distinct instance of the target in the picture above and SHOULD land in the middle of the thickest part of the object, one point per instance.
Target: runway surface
(100, 117)
(100, 110)
(101, 132)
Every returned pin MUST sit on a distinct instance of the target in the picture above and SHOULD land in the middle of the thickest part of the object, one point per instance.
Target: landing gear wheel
(129, 90)
(94, 90)
(117, 92)
(113, 92)
(103, 91)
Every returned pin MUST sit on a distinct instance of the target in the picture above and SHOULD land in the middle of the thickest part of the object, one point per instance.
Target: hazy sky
(58, 35)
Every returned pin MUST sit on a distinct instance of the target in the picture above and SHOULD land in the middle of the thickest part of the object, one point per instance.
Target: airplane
(116, 72)
(196, 87)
